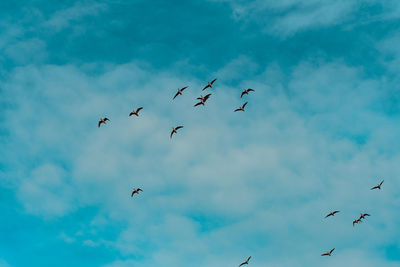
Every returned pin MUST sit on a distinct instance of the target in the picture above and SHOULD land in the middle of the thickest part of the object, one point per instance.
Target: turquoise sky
(321, 129)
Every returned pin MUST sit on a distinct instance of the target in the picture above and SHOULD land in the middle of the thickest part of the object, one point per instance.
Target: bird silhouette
(136, 112)
(378, 186)
(328, 253)
(202, 99)
(209, 85)
(136, 191)
(245, 262)
(332, 213)
(103, 121)
(246, 92)
(356, 221)
(241, 108)
(180, 92)
(362, 216)
(174, 130)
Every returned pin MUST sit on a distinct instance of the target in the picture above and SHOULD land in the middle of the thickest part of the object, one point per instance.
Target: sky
(321, 129)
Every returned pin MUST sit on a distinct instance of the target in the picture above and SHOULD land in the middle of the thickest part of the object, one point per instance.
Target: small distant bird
(241, 108)
(245, 262)
(328, 253)
(103, 121)
(136, 191)
(246, 92)
(136, 112)
(202, 99)
(174, 130)
(180, 91)
(378, 186)
(332, 213)
(362, 216)
(209, 85)
(356, 221)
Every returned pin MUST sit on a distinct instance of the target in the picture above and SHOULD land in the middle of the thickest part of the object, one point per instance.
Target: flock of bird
(201, 101)
(356, 221)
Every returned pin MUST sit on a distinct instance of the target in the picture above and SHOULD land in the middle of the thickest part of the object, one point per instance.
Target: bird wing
(133, 192)
(106, 119)
(213, 81)
(139, 189)
(171, 134)
(366, 214)
(325, 254)
(331, 250)
(375, 187)
(250, 90)
(238, 109)
(184, 88)
(205, 87)
(243, 93)
(336, 211)
(176, 95)
(244, 105)
(139, 109)
(178, 127)
(200, 103)
(100, 123)
(248, 259)
(381, 183)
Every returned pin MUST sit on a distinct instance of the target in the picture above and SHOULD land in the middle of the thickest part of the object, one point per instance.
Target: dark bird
(209, 85)
(332, 213)
(362, 216)
(103, 121)
(246, 92)
(378, 186)
(136, 191)
(328, 253)
(241, 108)
(202, 99)
(180, 91)
(356, 221)
(174, 130)
(245, 262)
(135, 112)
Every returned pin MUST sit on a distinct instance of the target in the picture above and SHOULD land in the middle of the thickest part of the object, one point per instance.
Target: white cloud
(262, 180)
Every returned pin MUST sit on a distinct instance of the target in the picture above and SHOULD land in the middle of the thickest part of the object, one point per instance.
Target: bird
(328, 253)
(246, 92)
(356, 221)
(362, 216)
(136, 112)
(377, 186)
(103, 120)
(332, 213)
(180, 92)
(174, 130)
(136, 191)
(241, 108)
(245, 262)
(209, 85)
(202, 99)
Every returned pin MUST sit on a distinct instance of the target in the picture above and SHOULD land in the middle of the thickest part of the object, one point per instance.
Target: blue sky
(322, 128)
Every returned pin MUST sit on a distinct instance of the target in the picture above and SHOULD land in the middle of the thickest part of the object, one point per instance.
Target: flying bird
(241, 108)
(180, 92)
(356, 221)
(202, 99)
(378, 186)
(136, 191)
(245, 262)
(246, 92)
(103, 120)
(328, 253)
(209, 85)
(136, 112)
(332, 213)
(174, 130)
(362, 216)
